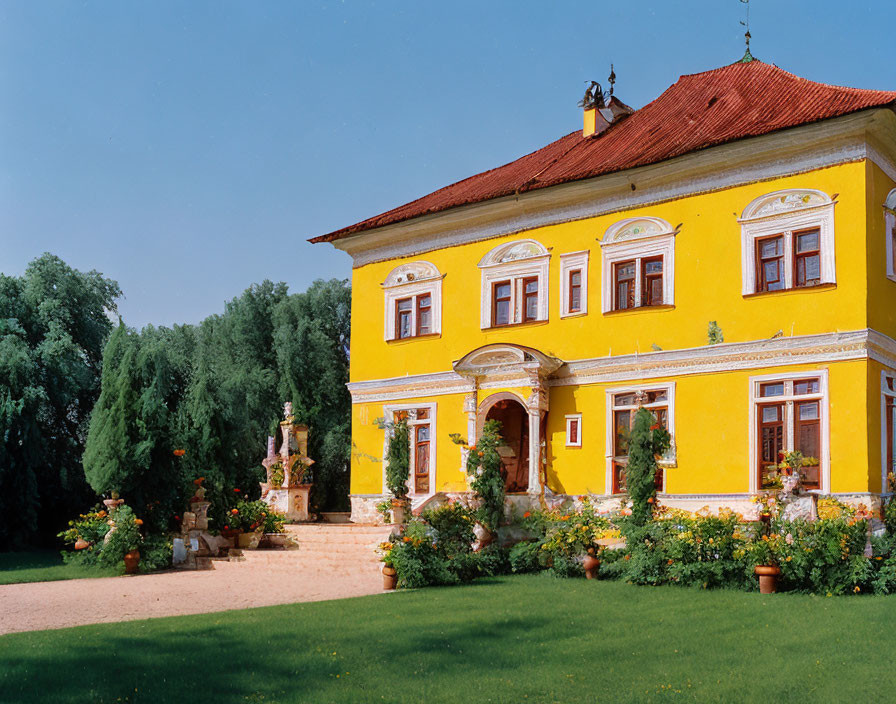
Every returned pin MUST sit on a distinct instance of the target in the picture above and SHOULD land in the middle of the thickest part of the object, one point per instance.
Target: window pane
(532, 286)
(805, 386)
(623, 433)
(502, 290)
(404, 324)
(573, 434)
(624, 400)
(625, 271)
(424, 321)
(807, 242)
(776, 389)
(421, 413)
(502, 312)
(772, 271)
(575, 278)
(654, 266)
(655, 396)
(423, 433)
(808, 411)
(404, 304)
(772, 248)
(813, 267)
(770, 414)
(424, 301)
(575, 300)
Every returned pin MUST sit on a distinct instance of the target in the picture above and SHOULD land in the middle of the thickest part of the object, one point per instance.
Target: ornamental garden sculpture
(288, 483)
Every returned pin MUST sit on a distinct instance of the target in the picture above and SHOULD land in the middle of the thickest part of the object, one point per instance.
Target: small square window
(574, 430)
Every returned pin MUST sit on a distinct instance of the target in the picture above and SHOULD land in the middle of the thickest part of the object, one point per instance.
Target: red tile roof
(700, 110)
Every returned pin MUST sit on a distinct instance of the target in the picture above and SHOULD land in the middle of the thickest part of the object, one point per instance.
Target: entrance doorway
(515, 452)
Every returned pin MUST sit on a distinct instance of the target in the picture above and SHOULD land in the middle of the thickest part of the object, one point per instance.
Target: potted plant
(398, 464)
(390, 575)
(591, 563)
(123, 541)
(765, 551)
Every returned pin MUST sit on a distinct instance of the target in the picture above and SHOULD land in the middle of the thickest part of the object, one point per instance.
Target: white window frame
(885, 392)
(889, 228)
(788, 399)
(412, 281)
(569, 262)
(783, 213)
(389, 412)
(514, 262)
(638, 239)
(670, 459)
(570, 419)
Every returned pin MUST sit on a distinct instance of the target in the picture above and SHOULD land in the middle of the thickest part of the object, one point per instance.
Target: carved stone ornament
(784, 202)
(411, 272)
(498, 357)
(635, 229)
(514, 251)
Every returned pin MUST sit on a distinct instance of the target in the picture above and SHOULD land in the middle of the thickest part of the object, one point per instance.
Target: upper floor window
(413, 294)
(788, 241)
(573, 283)
(890, 228)
(789, 414)
(638, 264)
(514, 284)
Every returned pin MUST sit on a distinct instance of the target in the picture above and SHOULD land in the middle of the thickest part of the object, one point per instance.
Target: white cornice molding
(724, 357)
(870, 134)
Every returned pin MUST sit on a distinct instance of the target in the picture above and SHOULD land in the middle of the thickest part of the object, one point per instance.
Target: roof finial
(612, 79)
(747, 57)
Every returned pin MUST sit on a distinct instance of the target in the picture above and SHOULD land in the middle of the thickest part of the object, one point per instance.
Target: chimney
(601, 110)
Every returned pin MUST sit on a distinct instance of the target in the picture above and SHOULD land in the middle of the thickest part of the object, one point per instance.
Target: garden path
(331, 563)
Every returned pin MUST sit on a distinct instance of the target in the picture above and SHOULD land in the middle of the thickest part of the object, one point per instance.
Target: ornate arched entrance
(522, 414)
(509, 410)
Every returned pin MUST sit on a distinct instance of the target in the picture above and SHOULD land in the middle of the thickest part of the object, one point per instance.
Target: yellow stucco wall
(707, 287)
(711, 410)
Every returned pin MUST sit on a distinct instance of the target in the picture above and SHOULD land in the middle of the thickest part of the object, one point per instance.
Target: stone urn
(249, 541)
(591, 564)
(131, 561)
(768, 578)
(390, 578)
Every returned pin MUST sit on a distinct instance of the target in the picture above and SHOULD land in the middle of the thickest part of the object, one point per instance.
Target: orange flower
(481, 453)
(101, 514)
(235, 511)
(628, 557)
(180, 453)
(406, 539)
(527, 514)
(197, 482)
(237, 491)
(564, 518)
(668, 562)
(139, 521)
(651, 500)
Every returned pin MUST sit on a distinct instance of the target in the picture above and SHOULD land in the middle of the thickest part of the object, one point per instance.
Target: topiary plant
(398, 459)
(648, 441)
(484, 465)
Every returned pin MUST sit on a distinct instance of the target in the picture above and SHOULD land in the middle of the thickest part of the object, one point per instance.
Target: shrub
(484, 466)
(124, 539)
(648, 441)
(398, 459)
(251, 516)
(527, 556)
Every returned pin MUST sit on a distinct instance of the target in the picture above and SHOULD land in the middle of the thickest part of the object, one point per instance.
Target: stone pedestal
(292, 501)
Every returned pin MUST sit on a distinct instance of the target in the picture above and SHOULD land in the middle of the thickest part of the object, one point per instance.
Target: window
(623, 404)
(789, 414)
(638, 264)
(888, 426)
(514, 284)
(573, 283)
(788, 241)
(890, 233)
(413, 294)
(421, 424)
(574, 430)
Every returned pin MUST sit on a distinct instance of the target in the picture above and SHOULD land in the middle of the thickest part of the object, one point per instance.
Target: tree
(54, 323)
(648, 441)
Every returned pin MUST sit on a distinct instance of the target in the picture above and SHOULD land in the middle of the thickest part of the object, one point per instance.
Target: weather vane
(747, 36)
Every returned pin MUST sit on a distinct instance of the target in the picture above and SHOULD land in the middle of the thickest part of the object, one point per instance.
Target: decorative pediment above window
(785, 202)
(514, 251)
(411, 273)
(890, 202)
(636, 229)
(503, 358)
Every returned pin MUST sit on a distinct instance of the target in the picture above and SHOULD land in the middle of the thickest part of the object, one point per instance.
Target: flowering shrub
(95, 543)
(252, 516)
(484, 466)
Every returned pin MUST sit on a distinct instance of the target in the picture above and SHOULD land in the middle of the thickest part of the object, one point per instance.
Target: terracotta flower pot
(80, 544)
(131, 561)
(591, 565)
(768, 578)
(390, 578)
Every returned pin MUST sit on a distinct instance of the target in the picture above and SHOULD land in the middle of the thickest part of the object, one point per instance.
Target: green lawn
(42, 566)
(514, 639)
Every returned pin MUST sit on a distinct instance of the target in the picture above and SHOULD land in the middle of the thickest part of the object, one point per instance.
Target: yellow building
(725, 256)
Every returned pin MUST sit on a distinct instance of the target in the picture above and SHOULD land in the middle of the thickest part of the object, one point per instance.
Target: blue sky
(188, 149)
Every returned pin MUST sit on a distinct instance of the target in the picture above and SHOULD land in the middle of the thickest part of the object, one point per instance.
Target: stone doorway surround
(525, 370)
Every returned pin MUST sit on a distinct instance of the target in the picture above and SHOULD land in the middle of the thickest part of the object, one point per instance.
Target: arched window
(638, 264)
(787, 239)
(890, 227)
(514, 284)
(413, 298)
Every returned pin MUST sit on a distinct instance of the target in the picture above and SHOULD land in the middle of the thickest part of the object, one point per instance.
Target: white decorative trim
(410, 281)
(788, 400)
(569, 262)
(782, 213)
(514, 262)
(574, 417)
(410, 273)
(638, 238)
(388, 414)
(723, 357)
(884, 392)
(668, 460)
(890, 232)
(785, 153)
